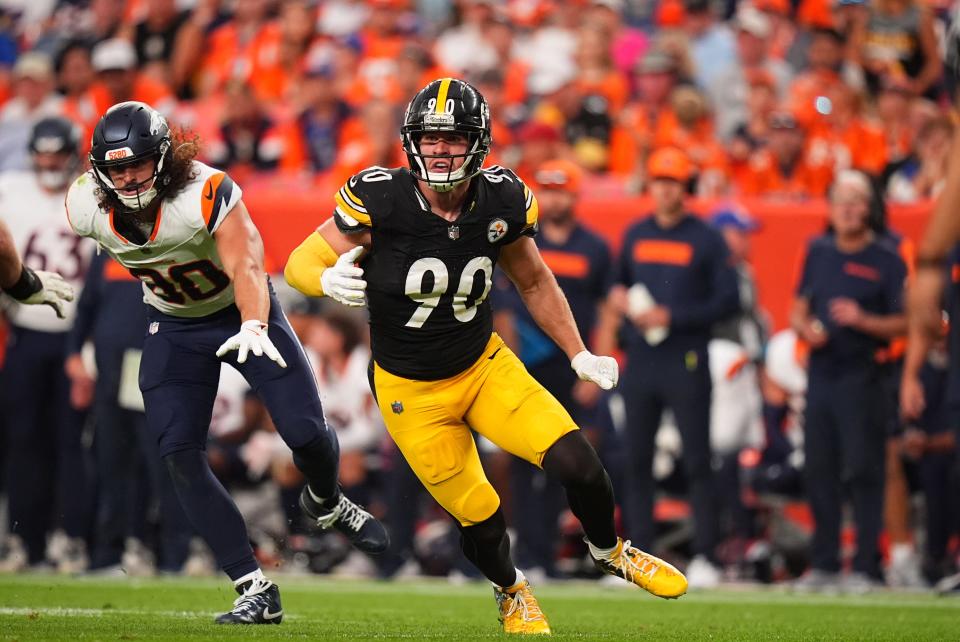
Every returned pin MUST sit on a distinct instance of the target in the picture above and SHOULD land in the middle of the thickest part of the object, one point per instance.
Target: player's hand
(343, 282)
(55, 292)
(912, 400)
(252, 338)
(603, 371)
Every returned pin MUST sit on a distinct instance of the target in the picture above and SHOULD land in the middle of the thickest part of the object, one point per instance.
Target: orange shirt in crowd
(698, 143)
(296, 157)
(858, 145)
(764, 177)
(631, 138)
(613, 86)
(145, 89)
(256, 61)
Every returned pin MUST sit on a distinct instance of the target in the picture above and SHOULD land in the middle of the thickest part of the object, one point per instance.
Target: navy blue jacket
(873, 277)
(687, 269)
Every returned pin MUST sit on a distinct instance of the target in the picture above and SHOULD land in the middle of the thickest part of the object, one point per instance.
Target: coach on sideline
(674, 282)
(849, 304)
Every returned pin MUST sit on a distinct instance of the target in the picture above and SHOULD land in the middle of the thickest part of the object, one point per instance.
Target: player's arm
(26, 285)
(548, 306)
(316, 268)
(241, 253)
(942, 233)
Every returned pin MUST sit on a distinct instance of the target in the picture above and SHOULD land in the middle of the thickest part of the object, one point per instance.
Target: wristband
(26, 286)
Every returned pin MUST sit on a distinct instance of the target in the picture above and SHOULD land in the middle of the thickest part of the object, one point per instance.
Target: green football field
(54, 608)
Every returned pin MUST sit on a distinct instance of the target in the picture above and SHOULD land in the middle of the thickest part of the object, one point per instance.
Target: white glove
(603, 371)
(343, 282)
(53, 293)
(252, 338)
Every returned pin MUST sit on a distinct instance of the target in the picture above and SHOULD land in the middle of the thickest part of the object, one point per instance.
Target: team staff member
(681, 265)
(580, 261)
(849, 304)
(435, 232)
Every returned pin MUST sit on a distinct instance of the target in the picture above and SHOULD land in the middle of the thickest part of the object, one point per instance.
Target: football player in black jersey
(426, 239)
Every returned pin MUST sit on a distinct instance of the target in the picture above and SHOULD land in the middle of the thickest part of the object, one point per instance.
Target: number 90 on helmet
(447, 105)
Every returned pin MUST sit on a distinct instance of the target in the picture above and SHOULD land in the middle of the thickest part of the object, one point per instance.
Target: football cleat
(519, 611)
(360, 527)
(650, 573)
(259, 603)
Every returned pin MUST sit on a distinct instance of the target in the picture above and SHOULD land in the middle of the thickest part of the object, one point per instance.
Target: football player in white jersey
(45, 469)
(182, 228)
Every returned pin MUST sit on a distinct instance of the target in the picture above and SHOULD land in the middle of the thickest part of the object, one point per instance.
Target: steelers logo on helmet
(127, 134)
(447, 105)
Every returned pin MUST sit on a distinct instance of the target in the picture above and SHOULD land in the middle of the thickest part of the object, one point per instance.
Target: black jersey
(428, 278)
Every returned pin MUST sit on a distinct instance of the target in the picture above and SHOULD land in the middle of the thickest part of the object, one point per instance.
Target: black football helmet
(55, 135)
(452, 105)
(127, 133)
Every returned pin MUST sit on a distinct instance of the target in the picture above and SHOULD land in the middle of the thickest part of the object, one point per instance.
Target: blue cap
(733, 217)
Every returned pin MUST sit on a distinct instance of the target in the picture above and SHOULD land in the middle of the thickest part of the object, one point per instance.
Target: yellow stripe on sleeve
(346, 206)
(533, 208)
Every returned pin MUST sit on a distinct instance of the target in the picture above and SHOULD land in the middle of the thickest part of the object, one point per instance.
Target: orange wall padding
(286, 217)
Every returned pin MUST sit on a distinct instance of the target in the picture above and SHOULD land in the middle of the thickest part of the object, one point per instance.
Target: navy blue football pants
(655, 380)
(845, 436)
(49, 479)
(179, 375)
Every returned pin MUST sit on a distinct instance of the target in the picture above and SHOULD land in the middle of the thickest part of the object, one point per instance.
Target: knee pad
(574, 463)
(186, 467)
(319, 456)
(478, 505)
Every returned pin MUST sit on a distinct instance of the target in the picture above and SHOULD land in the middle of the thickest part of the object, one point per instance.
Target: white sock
(255, 575)
(901, 552)
(602, 553)
(519, 578)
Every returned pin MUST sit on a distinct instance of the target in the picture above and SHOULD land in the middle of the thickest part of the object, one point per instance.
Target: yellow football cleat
(519, 611)
(650, 573)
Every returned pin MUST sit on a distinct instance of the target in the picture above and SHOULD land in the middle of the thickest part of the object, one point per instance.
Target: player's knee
(487, 533)
(319, 456)
(574, 463)
(478, 504)
(186, 467)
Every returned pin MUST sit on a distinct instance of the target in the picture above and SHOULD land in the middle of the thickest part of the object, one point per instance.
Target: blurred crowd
(767, 97)
(761, 98)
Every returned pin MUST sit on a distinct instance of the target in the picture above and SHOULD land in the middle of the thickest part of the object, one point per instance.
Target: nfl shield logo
(453, 232)
(154, 327)
(397, 407)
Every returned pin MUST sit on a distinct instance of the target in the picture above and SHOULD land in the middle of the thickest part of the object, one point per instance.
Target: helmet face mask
(128, 134)
(453, 106)
(54, 146)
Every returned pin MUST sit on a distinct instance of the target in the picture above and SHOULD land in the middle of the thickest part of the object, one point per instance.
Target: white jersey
(179, 264)
(45, 242)
(348, 404)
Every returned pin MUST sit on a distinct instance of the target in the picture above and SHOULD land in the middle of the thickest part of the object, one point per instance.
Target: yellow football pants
(431, 420)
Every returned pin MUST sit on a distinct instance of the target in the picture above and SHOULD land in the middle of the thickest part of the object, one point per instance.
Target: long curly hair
(178, 170)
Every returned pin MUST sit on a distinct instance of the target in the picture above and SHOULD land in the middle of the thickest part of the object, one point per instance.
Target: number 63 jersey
(179, 264)
(428, 278)
(45, 242)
